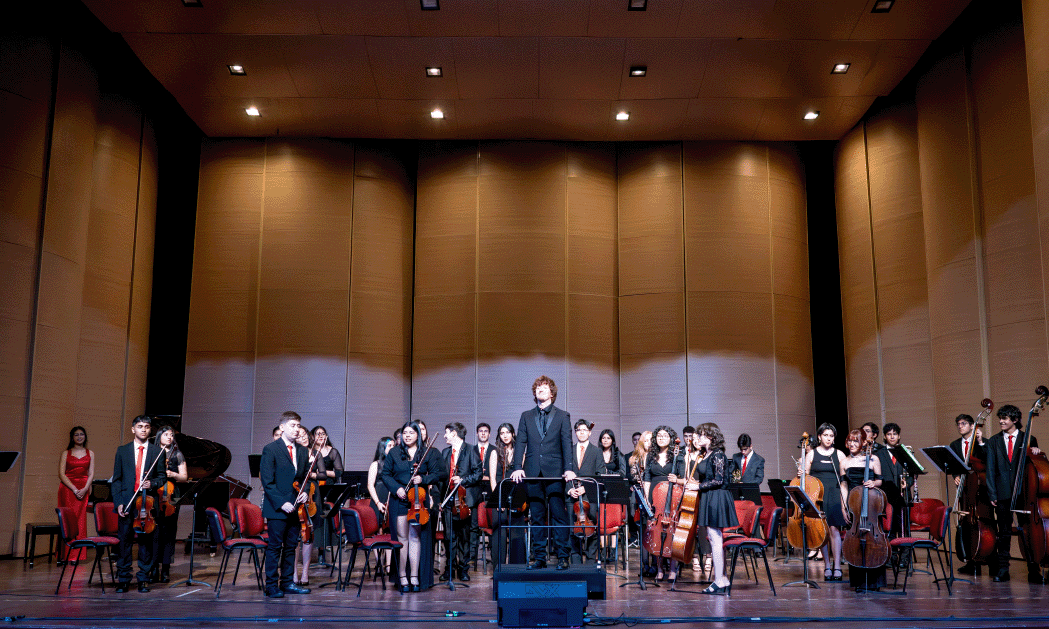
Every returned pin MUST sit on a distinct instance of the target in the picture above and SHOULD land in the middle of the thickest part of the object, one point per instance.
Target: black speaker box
(542, 603)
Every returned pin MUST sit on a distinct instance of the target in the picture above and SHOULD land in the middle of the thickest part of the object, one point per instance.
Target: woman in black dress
(500, 467)
(824, 463)
(167, 526)
(332, 461)
(662, 465)
(376, 488)
(854, 468)
(636, 469)
(716, 509)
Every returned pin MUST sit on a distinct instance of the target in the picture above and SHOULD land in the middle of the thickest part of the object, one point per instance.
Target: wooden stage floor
(27, 600)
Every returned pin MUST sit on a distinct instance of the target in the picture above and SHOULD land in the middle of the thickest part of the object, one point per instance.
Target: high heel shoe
(828, 574)
(404, 585)
(415, 585)
(715, 589)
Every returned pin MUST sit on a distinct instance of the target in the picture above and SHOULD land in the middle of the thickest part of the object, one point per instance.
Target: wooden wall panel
(1036, 43)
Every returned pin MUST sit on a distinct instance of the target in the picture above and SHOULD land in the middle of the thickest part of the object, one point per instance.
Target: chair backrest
(106, 520)
(886, 520)
(755, 526)
(234, 513)
(768, 506)
(614, 516)
(251, 521)
(351, 525)
(369, 523)
(66, 522)
(745, 514)
(941, 519)
(483, 521)
(922, 512)
(773, 525)
(216, 525)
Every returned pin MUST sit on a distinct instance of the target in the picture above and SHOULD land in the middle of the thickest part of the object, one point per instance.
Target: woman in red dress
(76, 470)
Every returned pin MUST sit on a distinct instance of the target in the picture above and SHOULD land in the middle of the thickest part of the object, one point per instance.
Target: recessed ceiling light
(192, 3)
(430, 5)
(840, 68)
(434, 71)
(636, 5)
(638, 70)
(252, 111)
(882, 6)
(437, 114)
(812, 115)
(623, 115)
(237, 70)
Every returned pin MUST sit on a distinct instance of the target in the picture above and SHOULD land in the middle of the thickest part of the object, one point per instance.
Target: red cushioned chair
(907, 545)
(484, 522)
(756, 545)
(221, 539)
(612, 521)
(107, 523)
(352, 533)
(67, 533)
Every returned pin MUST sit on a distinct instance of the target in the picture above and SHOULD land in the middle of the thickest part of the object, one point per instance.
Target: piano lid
(204, 459)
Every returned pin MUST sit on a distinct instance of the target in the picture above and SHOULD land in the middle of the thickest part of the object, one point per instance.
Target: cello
(865, 544)
(658, 534)
(815, 528)
(683, 544)
(1031, 493)
(976, 537)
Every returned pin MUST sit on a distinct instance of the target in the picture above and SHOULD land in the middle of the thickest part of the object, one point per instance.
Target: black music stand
(779, 496)
(914, 470)
(808, 509)
(507, 503)
(646, 513)
(341, 491)
(746, 491)
(948, 462)
(615, 490)
(449, 539)
(186, 497)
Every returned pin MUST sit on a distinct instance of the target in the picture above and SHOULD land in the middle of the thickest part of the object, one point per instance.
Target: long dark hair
(653, 452)
(419, 445)
(501, 450)
(615, 448)
(73, 430)
(380, 450)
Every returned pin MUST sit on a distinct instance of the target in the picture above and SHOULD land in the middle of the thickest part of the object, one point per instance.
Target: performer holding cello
(825, 463)
(283, 463)
(866, 546)
(136, 475)
(975, 538)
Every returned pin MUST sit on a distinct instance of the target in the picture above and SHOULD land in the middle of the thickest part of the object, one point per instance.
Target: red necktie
(893, 458)
(1010, 448)
(744, 470)
(291, 454)
(137, 467)
(582, 450)
(965, 449)
(451, 468)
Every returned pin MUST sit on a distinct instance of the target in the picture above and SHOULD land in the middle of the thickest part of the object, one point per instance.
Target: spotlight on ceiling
(437, 114)
(252, 111)
(237, 70)
(882, 6)
(840, 68)
(430, 5)
(193, 3)
(638, 70)
(623, 115)
(636, 5)
(812, 115)
(434, 71)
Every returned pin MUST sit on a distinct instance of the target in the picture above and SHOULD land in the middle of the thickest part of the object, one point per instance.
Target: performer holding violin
(824, 463)
(174, 465)
(586, 462)
(1003, 456)
(408, 471)
(136, 475)
(464, 476)
(284, 462)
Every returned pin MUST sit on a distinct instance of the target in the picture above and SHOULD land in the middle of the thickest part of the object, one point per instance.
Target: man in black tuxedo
(485, 452)
(464, 468)
(749, 464)
(586, 462)
(892, 471)
(964, 446)
(545, 433)
(1003, 455)
(135, 468)
(283, 462)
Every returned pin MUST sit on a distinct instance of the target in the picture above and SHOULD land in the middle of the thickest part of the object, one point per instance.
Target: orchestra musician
(1002, 459)
(637, 463)
(485, 452)
(970, 438)
(304, 551)
(283, 463)
(500, 468)
(135, 471)
(586, 463)
(464, 469)
(661, 466)
(749, 464)
(854, 468)
(824, 462)
(376, 488)
(717, 508)
(612, 463)
(431, 461)
(893, 483)
(167, 525)
(545, 433)
(331, 464)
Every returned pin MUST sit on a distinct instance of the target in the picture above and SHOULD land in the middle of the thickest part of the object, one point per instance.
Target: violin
(142, 505)
(658, 537)
(1031, 492)
(683, 544)
(166, 493)
(584, 527)
(866, 545)
(308, 509)
(976, 537)
(418, 511)
(815, 528)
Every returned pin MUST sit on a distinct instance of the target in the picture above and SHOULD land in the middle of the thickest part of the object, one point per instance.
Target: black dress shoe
(123, 586)
(562, 564)
(443, 577)
(1001, 577)
(143, 586)
(295, 589)
(464, 576)
(969, 568)
(538, 564)
(1035, 577)
(275, 594)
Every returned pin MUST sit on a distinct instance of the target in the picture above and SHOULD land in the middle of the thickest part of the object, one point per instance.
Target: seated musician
(749, 464)
(464, 469)
(136, 472)
(1002, 461)
(586, 461)
(963, 447)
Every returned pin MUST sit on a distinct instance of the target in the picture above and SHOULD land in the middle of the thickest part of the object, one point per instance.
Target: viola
(815, 528)
(866, 545)
(306, 510)
(976, 537)
(584, 527)
(1031, 492)
(658, 535)
(683, 544)
(166, 496)
(144, 520)
(418, 511)
(460, 510)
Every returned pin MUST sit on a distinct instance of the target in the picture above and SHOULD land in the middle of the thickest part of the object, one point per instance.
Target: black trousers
(166, 534)
(280, 552)
(456, 541)
(1003, 519)
(548, 498)
(146, 558)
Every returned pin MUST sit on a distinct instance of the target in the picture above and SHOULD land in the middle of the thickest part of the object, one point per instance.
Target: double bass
(665, 496)
(866, 545)
(684, 543)
(815, 528)
(1031, 492)
(975, 538)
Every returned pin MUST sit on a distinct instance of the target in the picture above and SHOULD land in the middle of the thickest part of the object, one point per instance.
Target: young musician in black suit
(486, 452)
(749, 464)
(464, 468)
(1003, 450)
(545, 435)
(136, 467)
(587, 462)
(972, 445)
(283, 463)
(893, 483)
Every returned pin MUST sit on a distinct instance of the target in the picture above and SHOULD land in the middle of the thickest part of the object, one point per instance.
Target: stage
(28, 601)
